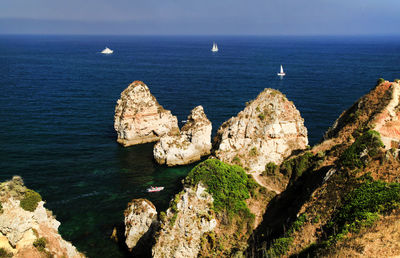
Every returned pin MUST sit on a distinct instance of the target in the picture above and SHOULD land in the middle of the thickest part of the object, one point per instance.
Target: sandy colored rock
(139, 118)
(140, 221)
(185, 223)
(267, 130)
(19, 228)
(193, 142)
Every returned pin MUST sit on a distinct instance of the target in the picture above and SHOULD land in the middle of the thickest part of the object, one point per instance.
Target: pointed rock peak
(193, 142)
(267, 130)
(139, 118)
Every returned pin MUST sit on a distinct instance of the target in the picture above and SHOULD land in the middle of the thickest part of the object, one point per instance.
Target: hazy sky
(260, 17)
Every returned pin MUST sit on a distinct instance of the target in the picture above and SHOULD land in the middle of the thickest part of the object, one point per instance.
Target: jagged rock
(139, 118)
(267, 130)
(140, 221)
(193, 142)
(19, 228)
(184, 224)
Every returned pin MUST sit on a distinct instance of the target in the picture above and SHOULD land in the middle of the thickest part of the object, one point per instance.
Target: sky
(201, 17)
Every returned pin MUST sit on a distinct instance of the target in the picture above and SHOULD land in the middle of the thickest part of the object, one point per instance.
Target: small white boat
(107, 51)
(214, 47)
(155, 189)
(183, 121)
(281, 73)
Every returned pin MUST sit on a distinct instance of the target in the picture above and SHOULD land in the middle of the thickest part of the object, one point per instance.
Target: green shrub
(30, 200)
(229, 185)
(173, 219)
(298, 223)
(4, 253)
(279, 247)
(379, 81)
(361, 207)
(163, 216)
(365, 146)
(261, 116)
(253, 152)
(270, 169)
(40, 244)
(1, 208)
(298, 165)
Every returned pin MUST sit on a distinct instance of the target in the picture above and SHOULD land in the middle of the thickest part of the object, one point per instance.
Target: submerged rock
(139, 118)
(140, 221)
(24, 220)
(193, 142)
(267, 130)
(185, 223)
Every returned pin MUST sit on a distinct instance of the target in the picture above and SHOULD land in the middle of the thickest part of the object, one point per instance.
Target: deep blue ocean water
(58, 96)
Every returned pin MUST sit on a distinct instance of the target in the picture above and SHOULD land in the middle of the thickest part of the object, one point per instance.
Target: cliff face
(140, 221)
(214, 215)
(27, 229)
(267, 130)
(139, 118)
(183, 225)
(387, 122)
(193, 142)
(343, 196)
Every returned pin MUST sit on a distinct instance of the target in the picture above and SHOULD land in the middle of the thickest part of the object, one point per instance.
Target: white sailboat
(281, 73)
(107, 51)
(214, 47)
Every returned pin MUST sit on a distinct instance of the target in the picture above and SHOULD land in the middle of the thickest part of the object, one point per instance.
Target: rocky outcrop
(184, 224)
(24, 221)
(387, 122)
(267, 130)
(378, 110)
(193, 142)
(139, 118)
(140, 221)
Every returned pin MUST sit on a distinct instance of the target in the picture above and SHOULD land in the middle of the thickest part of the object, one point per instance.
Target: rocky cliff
(343, 197)
(139, 118)
(27, 229)
(140, 221)
(269, 129)
(214, 215)
(184, 224)
(193, 142)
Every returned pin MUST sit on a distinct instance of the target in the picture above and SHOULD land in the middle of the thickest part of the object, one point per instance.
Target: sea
(58, 95)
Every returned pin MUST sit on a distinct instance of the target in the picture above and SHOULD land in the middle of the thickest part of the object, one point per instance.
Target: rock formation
(140, 221)
(139, 118)
(267, 130)
(24, 222)
(378, 110)
(193, 142)
(184, 224)
(387, 122)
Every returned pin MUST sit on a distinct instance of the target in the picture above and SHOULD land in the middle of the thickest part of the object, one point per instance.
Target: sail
(281, 69)
(214, 47)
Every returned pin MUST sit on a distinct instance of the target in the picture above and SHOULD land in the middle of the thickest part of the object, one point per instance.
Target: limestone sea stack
(193, 142)
(140, 221)
(27, 228)
(139, 118)
(267, 130)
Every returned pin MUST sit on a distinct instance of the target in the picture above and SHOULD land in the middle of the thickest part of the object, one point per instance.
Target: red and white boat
(155, 189)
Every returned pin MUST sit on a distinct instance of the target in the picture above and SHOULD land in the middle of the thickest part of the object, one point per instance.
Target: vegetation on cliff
(30, 201)
(229, 185)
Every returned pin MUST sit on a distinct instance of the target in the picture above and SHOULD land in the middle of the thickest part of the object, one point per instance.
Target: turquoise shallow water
(58, 98)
